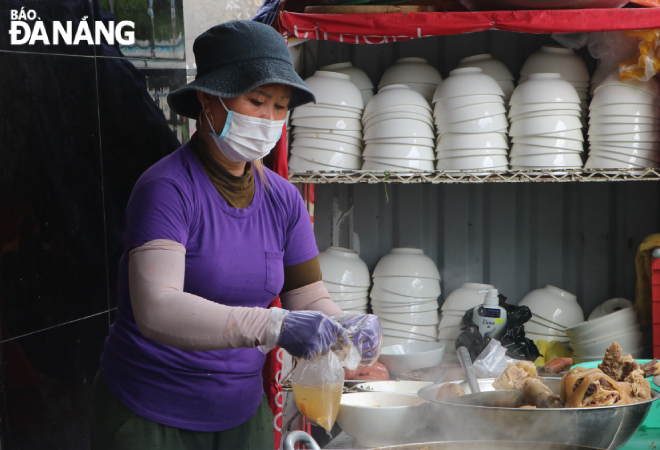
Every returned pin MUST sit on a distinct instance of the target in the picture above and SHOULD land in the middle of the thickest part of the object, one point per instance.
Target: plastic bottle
(490, 317)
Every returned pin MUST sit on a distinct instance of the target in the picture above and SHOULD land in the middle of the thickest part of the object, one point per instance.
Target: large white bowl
(404, 335)
(449, 321)
(397, 116)
(321, 111)
(410, 70)
(395, 95)
(324, 144)
(453, 312)
(367, 94)
(598, 119)
(406, 262)
(548, 142)
(653, 155)
(608, 129)
(341, 288)
(610, 306)
(600, 334)
(472, 112)
(532, 327)
(358, 76)
(554, 304)
(576, 135)
(476, 152)
(334, 88)
(331, 137)
(626, 145)
(398, 109)
(651, 87)
(651, 136)
(626, 109)
(298, 164)
(330, 123)
(379, 418)
(627, 342)
(465, 297)
(507, 87)
(526, 150)
(548, 160)
(399, 128)
(353, 304)
(490, 66)
(543, 125)
(398, 387)
(327, 157)
(467, 81)
(546, 337)
(426, 90)
(626, 159)
(527, 108)
(356, 134)
(393, 340)
(552, 59)
(348, 296)
(425, 142)
(464, 141)
(600, 162)
(490, 162)
(424, 330)
(450, 332)
(544, 88)
(547, 323)
(377, 166)
(402, 358)
(404, 308)
(550, 112)
(398, 151)
(622, 319)
(449, 104)
(344, 266)
(612, 95)
(382, 296)
(410, 164)
(417, 318)
(498, 123)
(556, 329)
(408, 286)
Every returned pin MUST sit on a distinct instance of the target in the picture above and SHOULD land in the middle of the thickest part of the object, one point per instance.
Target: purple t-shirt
(235, 257)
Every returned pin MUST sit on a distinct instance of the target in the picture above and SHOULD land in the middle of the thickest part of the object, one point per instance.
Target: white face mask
(245, 138)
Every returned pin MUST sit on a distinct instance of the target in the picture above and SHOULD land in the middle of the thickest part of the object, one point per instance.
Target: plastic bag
(317, 384)
(644, 66)
(492, 362)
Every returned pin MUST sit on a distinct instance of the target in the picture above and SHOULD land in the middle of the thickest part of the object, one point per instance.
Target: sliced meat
(515, 376)
(448, 391)
(640, 388)
(612, 361)
(652, 368)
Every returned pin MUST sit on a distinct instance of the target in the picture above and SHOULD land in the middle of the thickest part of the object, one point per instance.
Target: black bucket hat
(234, 58)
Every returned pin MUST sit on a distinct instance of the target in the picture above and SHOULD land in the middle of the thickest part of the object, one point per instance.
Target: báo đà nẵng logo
(21, 33)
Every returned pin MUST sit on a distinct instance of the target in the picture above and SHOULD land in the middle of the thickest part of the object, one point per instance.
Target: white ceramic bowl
(417, 318)
(467, 81)
(375, 419)
(472, 112)
(424, 142)
(465, 297)
(653, 155)
(597, 119)
(556, 329)
(410, 70)
(425, 330)
(548, 160)
(449, 104)
(461, 153)
(507, 87)
(548, 142)
(490, 162)
(403, 358)
(405, 308)
(527, 108)
(340, 107)
(498, 123)
(397, 116)
(377, 166)
(426, 90)
(356, 134)
(626, 109)
(600, 334)
(651, 87)
(544, 88)
(610, 306)
(341, 288)
(382, 296)
(398, 387)
(319, 111)
(612, 95)
(490, 66)
(453, 312)
(397, 109)
(353, 304)
(575, 135)
(327, 157)
(622, 319)
(526, 150)
(550, 112)
(367, 94)
(333, 88)
(626, 137)
(348, 296)
(543, 125)
(550, 59)
(331, 137)
(447, 320)
(408, 286)
(298, 164)
(344, 266)
(608, 129)
(450, 332)
(600, 162)
(554, 304)
(395, 95)
(627, 342)
(330, 123)
(409, 164)
(399, 128)
(547, 323)
(404, 335)
(398, 151)
(627, 145)
(464, 141)
(532, 327)
(627, 159)
(406, 262)
(358, 76)
(324, 144)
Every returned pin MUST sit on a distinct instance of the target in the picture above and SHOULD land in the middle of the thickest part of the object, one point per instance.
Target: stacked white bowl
(398, 131)
(624, 124)
(415, 73)
(546, 130)
(590, 339)
(494, 69)
(553, 311)
(406, 286)
(609, 307)
(565, 62)
(470, 118)
(346, 277)
(454, 308)
(358, 77)
(327, 136)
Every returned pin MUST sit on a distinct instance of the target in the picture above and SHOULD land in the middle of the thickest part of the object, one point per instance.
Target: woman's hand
(366, 334)
(308, 334)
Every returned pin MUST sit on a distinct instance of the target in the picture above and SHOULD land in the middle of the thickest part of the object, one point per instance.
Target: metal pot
(606, 427)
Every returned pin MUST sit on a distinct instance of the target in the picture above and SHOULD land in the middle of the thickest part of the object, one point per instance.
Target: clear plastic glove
(308, 334)
(365, 333)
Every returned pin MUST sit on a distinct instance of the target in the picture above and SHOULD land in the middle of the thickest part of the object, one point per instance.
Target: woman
(211, 238)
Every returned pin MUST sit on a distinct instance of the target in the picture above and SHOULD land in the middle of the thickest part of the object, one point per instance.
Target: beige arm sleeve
(167, 314)
(313, 297)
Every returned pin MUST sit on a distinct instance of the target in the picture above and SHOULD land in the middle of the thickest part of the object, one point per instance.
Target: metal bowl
(497, 5)
(606, 427)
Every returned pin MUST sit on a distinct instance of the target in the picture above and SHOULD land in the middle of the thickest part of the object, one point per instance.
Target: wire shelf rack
(462, 176)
